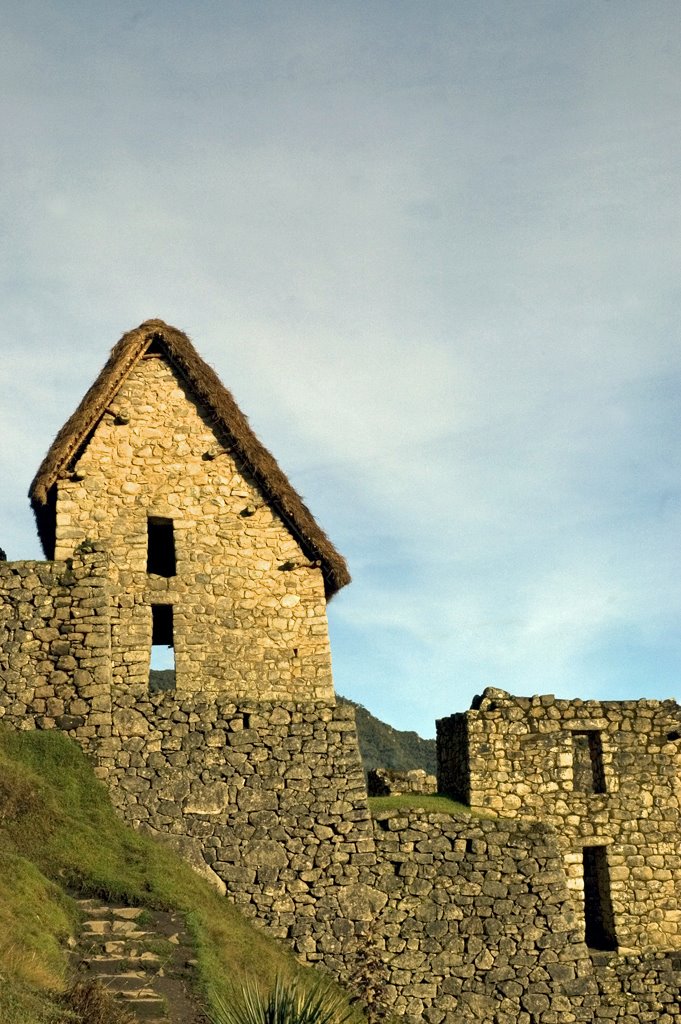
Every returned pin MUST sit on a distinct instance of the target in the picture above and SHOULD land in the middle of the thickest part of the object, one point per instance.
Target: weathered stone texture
(605, 774)
(249, 608)
(275, 793)
(55, 646)
(479, 923)
(635, 989)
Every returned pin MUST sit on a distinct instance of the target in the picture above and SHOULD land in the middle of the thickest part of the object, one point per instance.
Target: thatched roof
(203, 382)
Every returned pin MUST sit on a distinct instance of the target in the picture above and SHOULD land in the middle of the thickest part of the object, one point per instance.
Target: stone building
(212, 554)
(606, 775)
(168, 527)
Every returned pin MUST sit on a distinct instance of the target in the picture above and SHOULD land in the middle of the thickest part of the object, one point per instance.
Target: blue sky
(433, 248)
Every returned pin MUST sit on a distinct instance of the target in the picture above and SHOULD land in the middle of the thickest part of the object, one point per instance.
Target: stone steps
(142, 958)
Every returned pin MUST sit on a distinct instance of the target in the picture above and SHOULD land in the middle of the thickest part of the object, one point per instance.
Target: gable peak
(156, 338)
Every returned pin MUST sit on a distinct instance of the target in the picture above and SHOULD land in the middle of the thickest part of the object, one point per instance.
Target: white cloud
(432, 250)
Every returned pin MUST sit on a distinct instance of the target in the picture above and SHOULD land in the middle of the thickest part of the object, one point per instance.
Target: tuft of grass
(59, 834)
(433, 804)
(90, 1002)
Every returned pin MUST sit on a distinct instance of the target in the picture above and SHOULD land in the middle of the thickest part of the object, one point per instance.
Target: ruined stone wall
(55, 647)
(450, 919)
(636, 989)
(606, 775)
(249, 613)
(274, 793)
(479, 923)
(458, 919)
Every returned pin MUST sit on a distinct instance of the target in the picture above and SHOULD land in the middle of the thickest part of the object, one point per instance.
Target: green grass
(435, 804)
(59, 834)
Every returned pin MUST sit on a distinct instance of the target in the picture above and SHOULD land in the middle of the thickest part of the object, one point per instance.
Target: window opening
(588, 772)
(160, 546)
(162, 661)
(599, 922)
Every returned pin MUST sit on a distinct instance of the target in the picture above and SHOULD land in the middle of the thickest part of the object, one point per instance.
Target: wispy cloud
(433, 250)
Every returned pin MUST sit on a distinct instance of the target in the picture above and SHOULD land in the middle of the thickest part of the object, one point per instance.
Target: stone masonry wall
(450, 919)
(55, 647)
(388, 782)
(605, 774)
(249, 610)
(639, 989)
(274, 793)
(479, 924)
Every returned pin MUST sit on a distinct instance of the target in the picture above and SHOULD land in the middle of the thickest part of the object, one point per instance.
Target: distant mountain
(382, 746)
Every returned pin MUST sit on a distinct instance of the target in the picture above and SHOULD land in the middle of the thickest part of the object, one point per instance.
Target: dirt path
(143, 958)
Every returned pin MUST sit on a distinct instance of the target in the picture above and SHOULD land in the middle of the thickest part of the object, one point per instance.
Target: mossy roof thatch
(204, 383)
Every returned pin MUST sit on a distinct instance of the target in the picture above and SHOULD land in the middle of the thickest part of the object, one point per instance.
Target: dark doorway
(599, 923)
(160, 546)
(588, 772)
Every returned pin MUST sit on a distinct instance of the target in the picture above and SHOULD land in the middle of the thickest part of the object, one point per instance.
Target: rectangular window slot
(599, 922)
(588, 772)
(162, 662)
(160, 546)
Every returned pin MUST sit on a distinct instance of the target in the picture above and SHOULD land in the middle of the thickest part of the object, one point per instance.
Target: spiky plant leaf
(286, 1003)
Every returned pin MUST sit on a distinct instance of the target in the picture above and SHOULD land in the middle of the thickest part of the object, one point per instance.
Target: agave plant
(286, 1003)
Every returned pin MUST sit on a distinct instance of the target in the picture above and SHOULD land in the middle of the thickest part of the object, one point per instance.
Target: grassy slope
(59, 834)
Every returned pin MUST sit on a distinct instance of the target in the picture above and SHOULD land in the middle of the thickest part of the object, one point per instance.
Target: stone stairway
(142, 958)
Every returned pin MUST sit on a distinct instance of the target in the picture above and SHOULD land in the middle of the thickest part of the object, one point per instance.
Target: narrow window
(588, 773)
(599, 923)
(160, 546)
(162, 663)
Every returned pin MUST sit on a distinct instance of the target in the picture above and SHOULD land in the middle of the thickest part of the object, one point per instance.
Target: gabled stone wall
(248, 607)
(607, 775)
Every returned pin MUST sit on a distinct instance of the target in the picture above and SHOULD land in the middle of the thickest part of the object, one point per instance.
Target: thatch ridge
(205, 384)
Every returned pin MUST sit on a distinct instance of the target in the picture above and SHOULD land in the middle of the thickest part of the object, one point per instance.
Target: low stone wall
(478, 923)
(386, 782)
(634, 989)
